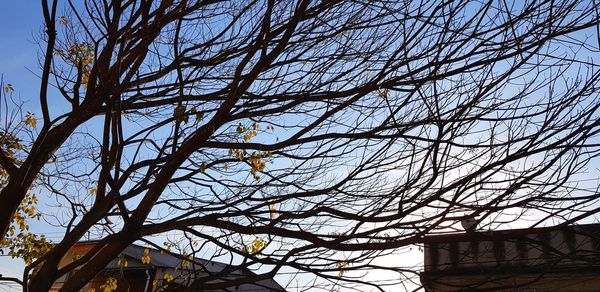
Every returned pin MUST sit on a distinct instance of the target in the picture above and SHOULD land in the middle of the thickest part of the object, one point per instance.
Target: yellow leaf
(8, 88)
(199, 116)
(383, 93)
(30, 121)
(186, 263)
(110, 285)
(341, 267)
(179, 114)
(146, 259)
(240, 129)
(272, 210)
(168, 277)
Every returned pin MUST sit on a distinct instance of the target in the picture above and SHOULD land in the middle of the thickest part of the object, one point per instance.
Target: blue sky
(20, 22)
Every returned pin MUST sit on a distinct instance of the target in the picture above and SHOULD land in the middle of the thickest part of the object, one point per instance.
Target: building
(539, 259)
(145, 269)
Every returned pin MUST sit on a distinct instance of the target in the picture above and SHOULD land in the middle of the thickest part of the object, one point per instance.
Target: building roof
(173, 263)
(167, 260)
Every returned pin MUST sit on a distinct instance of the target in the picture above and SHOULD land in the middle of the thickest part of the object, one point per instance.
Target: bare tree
(310, 135)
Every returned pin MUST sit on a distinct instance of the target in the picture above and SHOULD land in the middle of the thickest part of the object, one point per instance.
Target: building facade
(539, 259)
